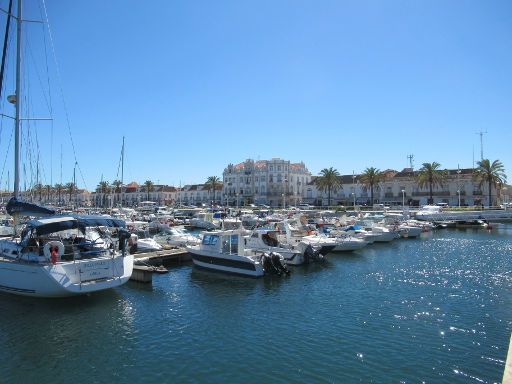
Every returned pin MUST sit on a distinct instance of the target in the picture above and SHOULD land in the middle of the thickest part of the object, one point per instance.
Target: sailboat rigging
(58, 256)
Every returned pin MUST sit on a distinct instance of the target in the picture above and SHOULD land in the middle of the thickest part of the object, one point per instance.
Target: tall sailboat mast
(18, 107)
(122, 173)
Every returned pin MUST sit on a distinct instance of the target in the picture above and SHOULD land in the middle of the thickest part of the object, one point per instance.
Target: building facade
(274, 182)
(397, 188)
(131, 194)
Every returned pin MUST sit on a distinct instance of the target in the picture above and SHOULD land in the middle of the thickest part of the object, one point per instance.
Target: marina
(434, 309)
(143, 265)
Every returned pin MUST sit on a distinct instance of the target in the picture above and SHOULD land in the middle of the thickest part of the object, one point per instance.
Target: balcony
(436, 193)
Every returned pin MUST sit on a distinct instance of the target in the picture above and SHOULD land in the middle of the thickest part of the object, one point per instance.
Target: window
(210, 239)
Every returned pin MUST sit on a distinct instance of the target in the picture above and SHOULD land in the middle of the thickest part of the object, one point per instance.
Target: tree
(328, 180)
(70, 188)
(59, 188)
(148, 186)
(212, 183)
(38, 188)
(430, 174)
(48, 188)
(103, 188)
(117, 185)
(371, 177)
(492, 174)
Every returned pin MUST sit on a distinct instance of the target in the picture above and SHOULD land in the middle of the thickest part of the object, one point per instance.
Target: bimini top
(61, 223)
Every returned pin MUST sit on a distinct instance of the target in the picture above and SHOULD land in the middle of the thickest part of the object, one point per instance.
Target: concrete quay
(507, 375)
(142, 271)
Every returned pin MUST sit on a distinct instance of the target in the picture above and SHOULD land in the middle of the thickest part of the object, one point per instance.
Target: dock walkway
(143, 274)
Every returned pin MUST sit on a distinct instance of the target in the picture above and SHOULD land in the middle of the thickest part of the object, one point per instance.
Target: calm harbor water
(436, 309)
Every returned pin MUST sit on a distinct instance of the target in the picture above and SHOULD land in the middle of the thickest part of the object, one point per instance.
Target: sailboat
(59, 256)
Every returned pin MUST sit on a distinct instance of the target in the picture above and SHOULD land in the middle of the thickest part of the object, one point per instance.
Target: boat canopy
(17, 207)
(61, 223)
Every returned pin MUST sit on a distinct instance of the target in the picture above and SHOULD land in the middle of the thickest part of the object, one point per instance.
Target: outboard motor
(267, 264)
(278, 264)
(272, 264)
(124, 235)
(310, 254)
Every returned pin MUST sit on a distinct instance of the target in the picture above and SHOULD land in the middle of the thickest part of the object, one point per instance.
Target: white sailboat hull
(66, 278)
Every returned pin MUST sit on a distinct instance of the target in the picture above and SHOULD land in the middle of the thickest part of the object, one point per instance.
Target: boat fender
(53, 251)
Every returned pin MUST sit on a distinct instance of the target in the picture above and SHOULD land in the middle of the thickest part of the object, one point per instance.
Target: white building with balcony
(275, 182)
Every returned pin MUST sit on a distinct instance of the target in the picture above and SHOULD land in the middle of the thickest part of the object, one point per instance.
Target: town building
(401, 187)
(274, 182)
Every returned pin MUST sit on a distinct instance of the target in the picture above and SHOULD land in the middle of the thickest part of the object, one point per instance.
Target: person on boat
(54, 253)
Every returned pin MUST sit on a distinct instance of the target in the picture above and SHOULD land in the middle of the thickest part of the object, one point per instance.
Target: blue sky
(195, 85)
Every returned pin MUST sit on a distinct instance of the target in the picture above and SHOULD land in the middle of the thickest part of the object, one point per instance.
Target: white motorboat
(409, 231)
(65, 256)
(141, 241)
(177, 237)
(205, 220)
(225, 251)
(292, 232)
(348, 243)
(266, 240)
(382, 234)
(6, 228)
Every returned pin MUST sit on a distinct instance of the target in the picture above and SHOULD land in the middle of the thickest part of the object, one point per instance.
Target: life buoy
(53, 251)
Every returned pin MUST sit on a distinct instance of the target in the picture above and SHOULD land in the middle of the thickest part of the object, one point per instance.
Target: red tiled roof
(260, 164)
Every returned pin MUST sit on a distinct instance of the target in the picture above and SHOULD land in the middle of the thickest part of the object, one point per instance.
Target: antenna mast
(481, 133)
(411, 163)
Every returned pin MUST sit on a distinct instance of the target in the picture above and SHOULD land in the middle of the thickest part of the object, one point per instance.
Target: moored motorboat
(266, 240)
(225, 251)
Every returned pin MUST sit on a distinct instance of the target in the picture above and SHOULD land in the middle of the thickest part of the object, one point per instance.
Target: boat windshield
(230, 244)
(210, 239)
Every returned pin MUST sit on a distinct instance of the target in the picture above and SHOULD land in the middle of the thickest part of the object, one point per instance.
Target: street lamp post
(458, 182)
(284, 203)
(354, 184)
(237, 201)
(403, 199)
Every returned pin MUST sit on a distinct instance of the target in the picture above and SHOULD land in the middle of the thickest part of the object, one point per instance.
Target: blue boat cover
(61, 223)
(16, 207)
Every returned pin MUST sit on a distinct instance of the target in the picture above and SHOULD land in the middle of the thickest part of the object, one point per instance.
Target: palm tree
(430, 174)
(103, 188)
(117, 186)
(38, 188)
(48, 189)
(328, 180)
(371, 177)
(148, 186)
(70, 188)
(59, 188)
(212, 182)
(493, 174)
